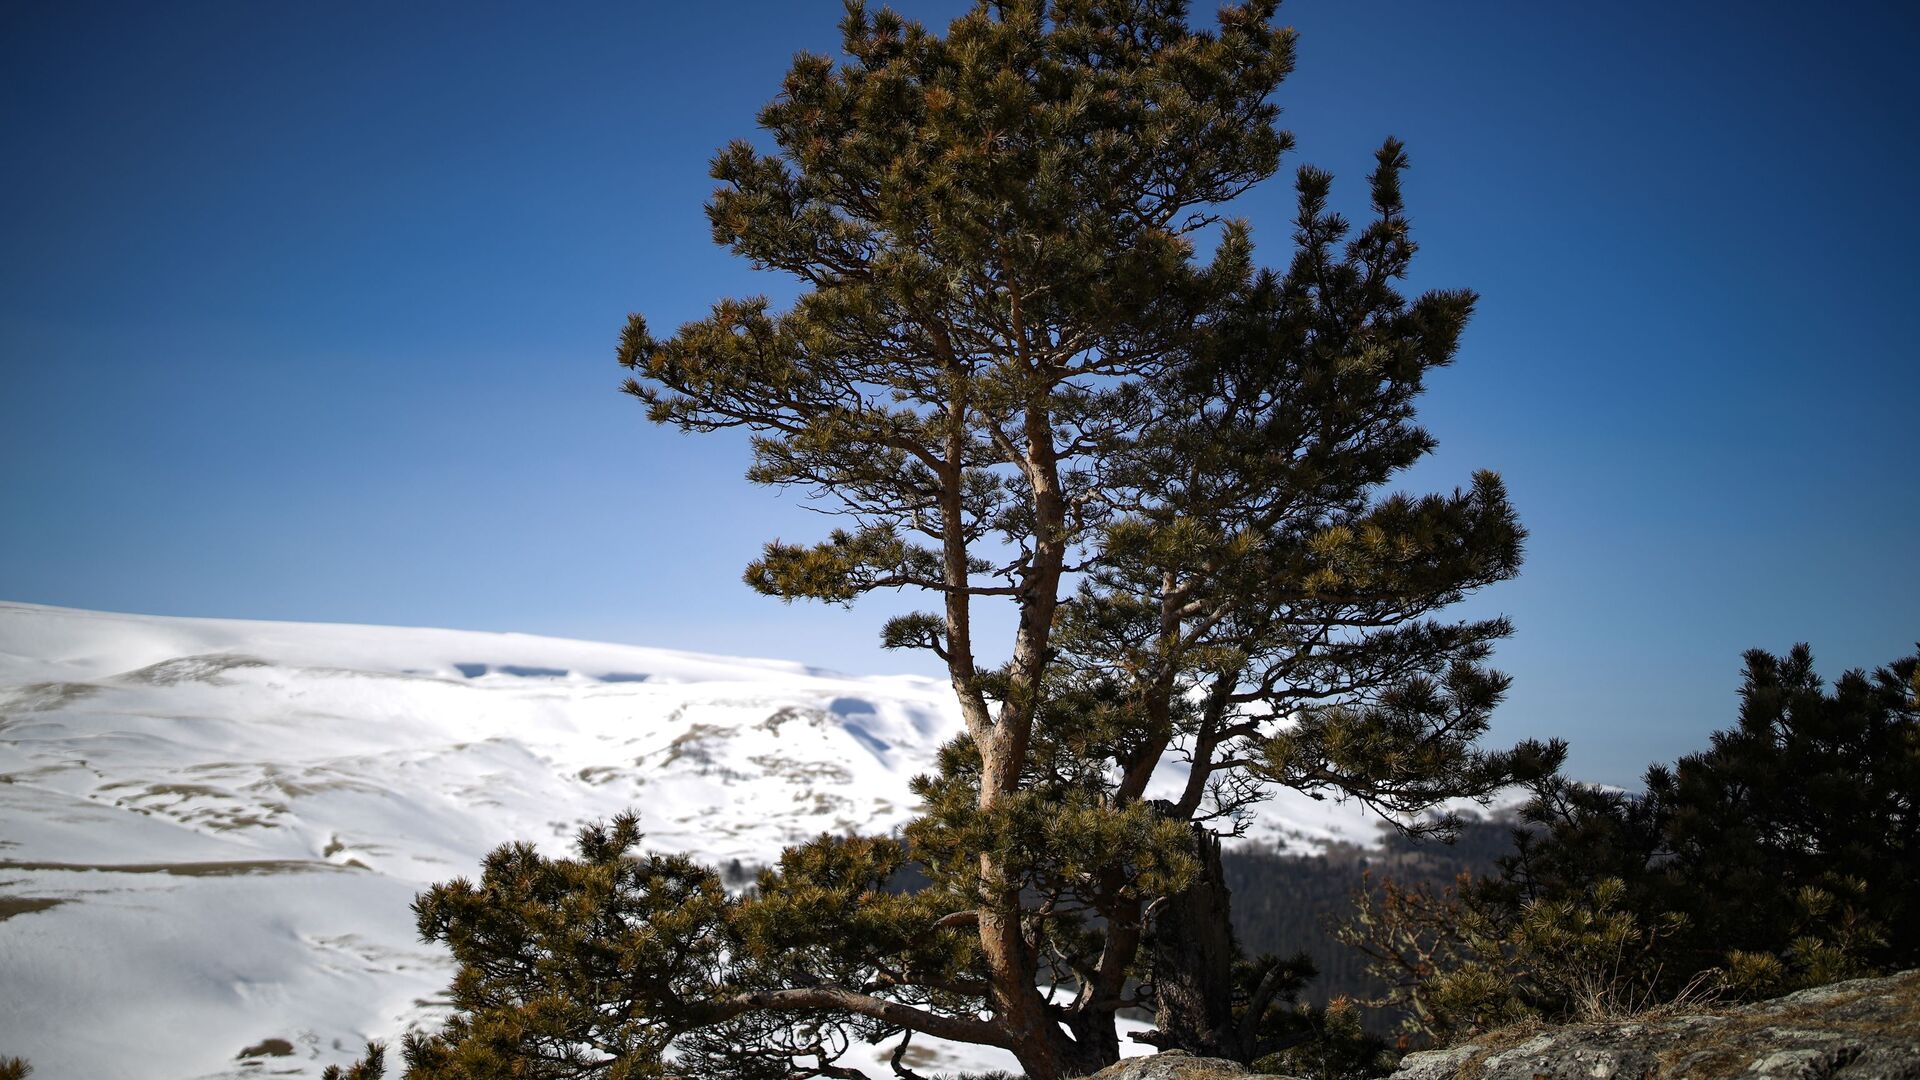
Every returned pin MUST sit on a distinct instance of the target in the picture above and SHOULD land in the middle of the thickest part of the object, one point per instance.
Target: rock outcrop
(1866, 1029)
(1176, 1065)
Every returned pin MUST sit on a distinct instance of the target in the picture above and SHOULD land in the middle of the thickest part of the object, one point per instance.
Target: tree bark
(1191, 953)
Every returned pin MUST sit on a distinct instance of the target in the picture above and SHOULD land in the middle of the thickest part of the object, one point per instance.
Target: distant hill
(210, 830)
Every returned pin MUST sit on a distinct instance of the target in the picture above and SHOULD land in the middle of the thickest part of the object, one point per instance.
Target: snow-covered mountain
(210, 830)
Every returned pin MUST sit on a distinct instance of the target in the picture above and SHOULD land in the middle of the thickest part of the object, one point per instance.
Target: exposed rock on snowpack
(1866, 1029)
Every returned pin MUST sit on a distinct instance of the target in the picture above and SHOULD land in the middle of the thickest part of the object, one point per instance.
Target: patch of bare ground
(830, 771)
(235, 868)
(266, 1048)
(48, 696)
(205, 669)
(691, 744)
(25, 905)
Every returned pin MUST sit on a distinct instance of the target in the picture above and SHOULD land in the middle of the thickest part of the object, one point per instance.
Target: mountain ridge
(211, 829)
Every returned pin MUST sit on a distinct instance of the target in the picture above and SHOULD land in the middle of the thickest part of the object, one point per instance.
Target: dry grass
(1623, 1000)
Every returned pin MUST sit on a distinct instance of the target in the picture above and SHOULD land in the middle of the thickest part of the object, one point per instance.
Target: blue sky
(307, 311)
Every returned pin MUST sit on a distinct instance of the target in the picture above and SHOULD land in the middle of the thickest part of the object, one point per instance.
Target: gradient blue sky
(307, 311)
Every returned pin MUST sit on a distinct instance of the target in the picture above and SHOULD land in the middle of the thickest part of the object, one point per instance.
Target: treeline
(1286, 903)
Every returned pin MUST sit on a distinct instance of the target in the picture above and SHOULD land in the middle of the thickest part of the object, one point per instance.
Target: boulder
(1175, 1065)
(1865, 1029)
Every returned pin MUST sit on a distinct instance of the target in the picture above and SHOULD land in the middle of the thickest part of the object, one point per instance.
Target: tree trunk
(1055, 1057)
(1191, 953)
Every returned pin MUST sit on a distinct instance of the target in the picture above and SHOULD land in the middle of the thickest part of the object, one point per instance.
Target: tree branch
(798, 999)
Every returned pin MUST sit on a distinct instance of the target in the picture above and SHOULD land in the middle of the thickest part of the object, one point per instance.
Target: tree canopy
(1013, 374)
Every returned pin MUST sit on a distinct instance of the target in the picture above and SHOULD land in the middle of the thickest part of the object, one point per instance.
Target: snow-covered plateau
(210, 830)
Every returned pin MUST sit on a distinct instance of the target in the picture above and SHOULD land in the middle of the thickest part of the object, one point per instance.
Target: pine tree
(1785, 855)
(1803, 815)
(1013, 375)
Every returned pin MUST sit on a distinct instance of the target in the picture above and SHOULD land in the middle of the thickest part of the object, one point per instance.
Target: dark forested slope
(1286, 903)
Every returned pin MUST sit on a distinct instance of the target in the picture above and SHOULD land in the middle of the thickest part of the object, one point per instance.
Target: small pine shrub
(371, 1067)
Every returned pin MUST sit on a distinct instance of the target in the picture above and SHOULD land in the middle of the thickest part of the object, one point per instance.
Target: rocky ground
(1866, 1029)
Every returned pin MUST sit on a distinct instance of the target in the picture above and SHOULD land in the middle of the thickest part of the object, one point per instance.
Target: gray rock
(1866, 1029)
(1174, 1065)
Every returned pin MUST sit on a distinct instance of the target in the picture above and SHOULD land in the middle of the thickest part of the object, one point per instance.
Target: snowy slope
(210, 830)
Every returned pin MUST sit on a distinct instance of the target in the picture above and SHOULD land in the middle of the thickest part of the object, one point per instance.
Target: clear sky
(307, 311)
